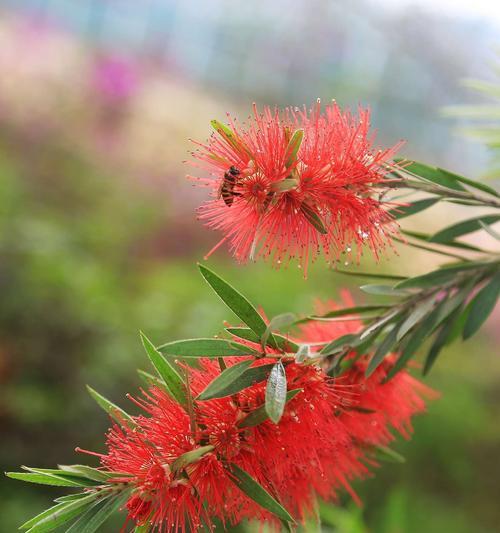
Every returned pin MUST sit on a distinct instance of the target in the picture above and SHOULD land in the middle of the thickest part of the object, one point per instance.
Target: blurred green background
(98, 236)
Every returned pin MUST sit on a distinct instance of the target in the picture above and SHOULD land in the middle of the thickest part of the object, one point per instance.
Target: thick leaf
(235, 381)
(240, 306)
(276, 392)
(283, 343)
(276, 322)
(205, 348)
(481, 306)
(414, 207)
(384, 347)
(462, 228)
(190, 457)
(293, 148)
(247, 484)
(58, 515)
(166, 370)
(115, 412)
(431, 174)
(383, 290)
(259, 415)
(471, 183)
(313, 218)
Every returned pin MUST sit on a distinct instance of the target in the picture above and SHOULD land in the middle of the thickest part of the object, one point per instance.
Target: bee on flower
(296, 184)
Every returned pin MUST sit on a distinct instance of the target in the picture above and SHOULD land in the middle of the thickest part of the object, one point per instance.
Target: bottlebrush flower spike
(292, 184)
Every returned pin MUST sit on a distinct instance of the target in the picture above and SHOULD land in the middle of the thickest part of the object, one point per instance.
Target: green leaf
(190, 457)
(58, 515)
(462, 228)
(230, 136)
(413, 208)
(276, 322)
(45, 478)
(87, 472)
(415, 340)
(313, 218)
(384, 347)
(377, 325)
(293, 148)
(481, 306)
(276, 392)
(338, 344)
(454, 244)
(240, 306)
(383, 290)
(94, 517)
(441, 340)
(343, 312)
(115, 412)
(166, 370)
(421, 310)
(283, 343)
(249, 486)
(205, 348)
(438, 277)
(233, 380)
(490, 230)
(374, 275)
(385, 453)
(431, 174)
(150, 379)
(471, 183)
(259, 415)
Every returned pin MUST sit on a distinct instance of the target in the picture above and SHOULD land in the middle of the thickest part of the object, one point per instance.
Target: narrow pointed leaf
(383, 349)
(190, 457)
(431, 174)
(462, 228)
(454, 244)
(282, 342)
(240, 306)
(233, 381)
(58, 515)
(277, 322)
(414, 207)
(374, 275)
(249, 486)
(205, 348)
(293, 148)
(115, 412)
(276, 392)
(383, 290)
(338, 344)
(313, 218)
(166, 370)
(471, 183)
(490, 230)
(481, 306)
(229, 135)
(150, 379)
(42, 478)
(384, 453)
(420, 311)
(259, 415)
(86, 472)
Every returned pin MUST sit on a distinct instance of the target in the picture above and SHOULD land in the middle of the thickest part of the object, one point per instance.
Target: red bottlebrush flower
(290, 184)
(323, 441)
